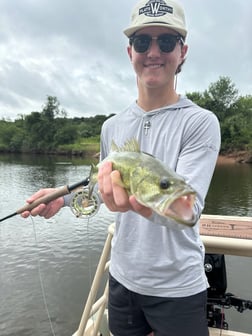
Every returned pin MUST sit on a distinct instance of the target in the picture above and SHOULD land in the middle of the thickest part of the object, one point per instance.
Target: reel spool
(84, 206)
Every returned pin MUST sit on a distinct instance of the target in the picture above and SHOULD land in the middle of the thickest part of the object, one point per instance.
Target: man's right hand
(44, 210)
(114, 195)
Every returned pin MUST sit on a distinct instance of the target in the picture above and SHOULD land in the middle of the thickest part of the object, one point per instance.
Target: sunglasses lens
(167, 42)
(141, 43)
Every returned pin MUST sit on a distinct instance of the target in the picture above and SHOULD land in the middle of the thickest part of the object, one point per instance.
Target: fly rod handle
(44, 199)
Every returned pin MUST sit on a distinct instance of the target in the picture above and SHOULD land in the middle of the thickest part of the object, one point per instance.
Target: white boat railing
(92, 321)
(93, 313)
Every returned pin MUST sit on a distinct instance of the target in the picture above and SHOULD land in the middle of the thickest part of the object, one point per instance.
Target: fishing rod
(58, 193)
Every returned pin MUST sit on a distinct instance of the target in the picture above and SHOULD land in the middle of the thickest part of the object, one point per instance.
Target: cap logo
(155, 8)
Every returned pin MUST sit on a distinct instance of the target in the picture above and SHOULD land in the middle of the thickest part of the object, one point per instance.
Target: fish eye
(164, 183)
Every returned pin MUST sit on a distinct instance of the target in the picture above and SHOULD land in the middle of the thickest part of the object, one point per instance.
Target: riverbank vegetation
(51, 131)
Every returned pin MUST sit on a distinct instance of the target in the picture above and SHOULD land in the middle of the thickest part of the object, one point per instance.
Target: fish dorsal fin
(131, 145)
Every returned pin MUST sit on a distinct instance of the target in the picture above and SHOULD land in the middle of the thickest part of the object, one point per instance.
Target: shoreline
(222, 159)
(231, 158)
(238, 157)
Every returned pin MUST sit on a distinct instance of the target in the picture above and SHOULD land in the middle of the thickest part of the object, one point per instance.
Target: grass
(84, 144)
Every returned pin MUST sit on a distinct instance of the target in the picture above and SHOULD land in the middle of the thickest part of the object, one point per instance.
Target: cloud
(76, 51)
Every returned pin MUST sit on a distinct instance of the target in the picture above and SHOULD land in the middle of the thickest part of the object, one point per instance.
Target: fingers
(44, 210)
(48, 210)
(34, 212)
(25, 214)
(141, 209)
(121, 197)
(105, 185)
(38, 194)
(114, 194)
(110, 186)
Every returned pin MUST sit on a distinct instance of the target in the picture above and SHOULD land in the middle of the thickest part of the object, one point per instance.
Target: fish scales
(152, 183)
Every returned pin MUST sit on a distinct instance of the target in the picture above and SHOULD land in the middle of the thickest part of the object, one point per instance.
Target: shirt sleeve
(198, 156)
(196, 161)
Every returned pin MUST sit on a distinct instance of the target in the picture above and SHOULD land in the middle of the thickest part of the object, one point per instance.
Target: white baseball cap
(163, 13)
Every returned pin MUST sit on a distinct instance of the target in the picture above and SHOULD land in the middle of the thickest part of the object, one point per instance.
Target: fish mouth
(180, 208)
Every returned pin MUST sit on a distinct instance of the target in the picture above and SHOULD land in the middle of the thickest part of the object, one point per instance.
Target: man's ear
(129, 50)
(184, 50)
(183, 55)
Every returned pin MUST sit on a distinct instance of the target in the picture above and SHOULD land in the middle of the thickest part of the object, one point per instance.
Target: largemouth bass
(152, 183)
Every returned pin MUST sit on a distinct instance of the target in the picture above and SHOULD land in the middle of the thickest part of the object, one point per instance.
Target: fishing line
(41, 279)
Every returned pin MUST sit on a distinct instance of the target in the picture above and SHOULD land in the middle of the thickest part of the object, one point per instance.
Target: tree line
(51, 130)
(48, 131)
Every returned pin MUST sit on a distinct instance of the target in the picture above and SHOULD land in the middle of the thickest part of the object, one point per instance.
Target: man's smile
(153, 66)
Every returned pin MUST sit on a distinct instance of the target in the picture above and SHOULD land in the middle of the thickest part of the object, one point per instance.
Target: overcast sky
(75, 50)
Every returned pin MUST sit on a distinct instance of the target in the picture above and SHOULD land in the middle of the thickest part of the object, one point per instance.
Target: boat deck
(220, 234)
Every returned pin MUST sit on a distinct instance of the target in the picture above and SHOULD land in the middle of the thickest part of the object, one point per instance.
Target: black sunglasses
(166, 42)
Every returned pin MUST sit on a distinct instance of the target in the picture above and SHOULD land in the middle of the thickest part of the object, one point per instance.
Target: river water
(62, 253)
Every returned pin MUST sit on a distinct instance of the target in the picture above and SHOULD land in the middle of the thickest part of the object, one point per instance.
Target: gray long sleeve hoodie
(158, 256)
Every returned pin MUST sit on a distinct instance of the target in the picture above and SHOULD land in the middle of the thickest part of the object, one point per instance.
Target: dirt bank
(222, 159)
(237, 157)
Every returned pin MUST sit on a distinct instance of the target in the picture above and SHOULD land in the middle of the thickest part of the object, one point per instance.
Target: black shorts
(132, 314)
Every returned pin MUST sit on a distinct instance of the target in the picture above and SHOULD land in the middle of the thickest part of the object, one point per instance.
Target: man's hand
(44, 210)
(113, 193)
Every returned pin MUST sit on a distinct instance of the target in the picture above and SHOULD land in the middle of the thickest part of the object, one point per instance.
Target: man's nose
(154, 47)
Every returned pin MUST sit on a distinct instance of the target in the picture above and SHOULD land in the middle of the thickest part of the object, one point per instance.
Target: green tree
(237, 128)
(65, 133)
(233, 111)
(41, 126)
(218, 98)
(223, 95)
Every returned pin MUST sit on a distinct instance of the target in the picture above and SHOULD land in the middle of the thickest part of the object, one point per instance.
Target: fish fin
(92, 179)
(114, 147)
(130, 145)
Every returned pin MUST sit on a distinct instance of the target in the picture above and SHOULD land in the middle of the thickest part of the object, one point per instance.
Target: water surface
(64, 250)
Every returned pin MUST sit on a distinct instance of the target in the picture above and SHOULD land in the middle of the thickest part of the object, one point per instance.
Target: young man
(157, 278)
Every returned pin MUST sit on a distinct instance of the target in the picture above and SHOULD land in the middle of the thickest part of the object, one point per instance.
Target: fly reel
(83, 205)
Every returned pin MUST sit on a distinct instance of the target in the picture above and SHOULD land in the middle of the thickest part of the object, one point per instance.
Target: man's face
(155, 68)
